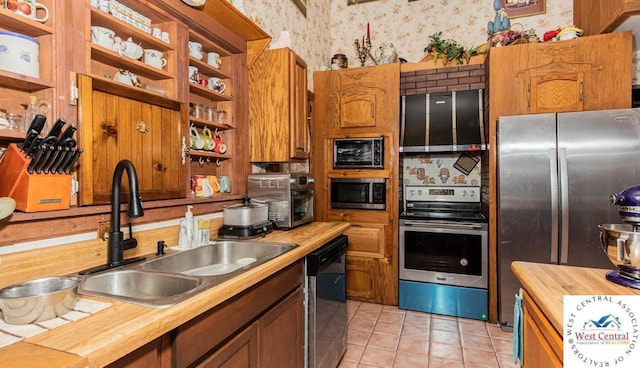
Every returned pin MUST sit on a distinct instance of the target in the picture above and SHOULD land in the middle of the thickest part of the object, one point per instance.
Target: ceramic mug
(28, 8)
(225, 184)
(195, 50)
(156, 32)
(103, 37)
(193, 74)
(213, 59)
(213, 180)
(220, 147)
(194, 138)
(209, 143)
(164, 36)
(203, 188)
(154, 58)
(216, 84)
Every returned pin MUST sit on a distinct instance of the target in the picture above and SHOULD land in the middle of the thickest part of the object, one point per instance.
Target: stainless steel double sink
(172, 278)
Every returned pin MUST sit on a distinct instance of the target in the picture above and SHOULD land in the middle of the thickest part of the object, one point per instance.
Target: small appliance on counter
(289, 196)
(245, 220)
(621, 242)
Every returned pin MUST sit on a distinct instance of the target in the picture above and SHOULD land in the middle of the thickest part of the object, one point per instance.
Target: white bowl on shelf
(19, 54)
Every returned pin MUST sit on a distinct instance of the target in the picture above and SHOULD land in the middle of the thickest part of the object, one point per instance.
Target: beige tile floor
(388, 337)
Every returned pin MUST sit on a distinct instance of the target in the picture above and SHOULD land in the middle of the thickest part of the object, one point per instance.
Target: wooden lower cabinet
(240, 352)
(542, 343)
(261, 327)
(157, 353)
(281, 333)
(361, 282)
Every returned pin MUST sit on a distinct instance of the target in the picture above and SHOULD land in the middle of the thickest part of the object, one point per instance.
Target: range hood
(442, 122)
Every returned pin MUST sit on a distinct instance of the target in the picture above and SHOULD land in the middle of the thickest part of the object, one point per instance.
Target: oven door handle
(444, 225)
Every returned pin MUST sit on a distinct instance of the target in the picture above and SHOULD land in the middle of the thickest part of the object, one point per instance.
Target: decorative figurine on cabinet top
(500, 22)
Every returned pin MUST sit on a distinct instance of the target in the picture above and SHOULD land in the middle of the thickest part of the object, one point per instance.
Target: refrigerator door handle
(553, 177)
(564, 197)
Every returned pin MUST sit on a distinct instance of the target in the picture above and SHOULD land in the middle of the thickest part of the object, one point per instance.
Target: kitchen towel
(10, 334)
(517, 329)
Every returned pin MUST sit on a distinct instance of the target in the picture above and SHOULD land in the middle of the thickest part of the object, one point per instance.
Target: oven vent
(442, 122)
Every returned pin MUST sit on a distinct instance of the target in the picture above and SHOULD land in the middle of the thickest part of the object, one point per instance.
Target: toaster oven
(289, 196)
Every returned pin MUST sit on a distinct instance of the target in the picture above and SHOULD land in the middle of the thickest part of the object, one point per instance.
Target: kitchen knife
(62, 157)
(29, 139)
(58, 157)
(35, 160)
(57, 150)
(37, 123)
(67, 158)
(68, 132)
(47, 147)
(34, 146)
(74, 159)
(57, 128)
(48, 150)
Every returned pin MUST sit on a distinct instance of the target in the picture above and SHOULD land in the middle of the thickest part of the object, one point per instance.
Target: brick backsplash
(446, 79)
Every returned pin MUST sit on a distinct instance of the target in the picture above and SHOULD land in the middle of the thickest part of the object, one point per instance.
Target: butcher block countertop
(547, 284)
(102, 338)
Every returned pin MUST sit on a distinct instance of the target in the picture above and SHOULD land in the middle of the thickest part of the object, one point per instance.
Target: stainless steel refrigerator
(555, 174)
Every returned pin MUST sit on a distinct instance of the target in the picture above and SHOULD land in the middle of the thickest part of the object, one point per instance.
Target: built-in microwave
(359, 193)
(358, 153)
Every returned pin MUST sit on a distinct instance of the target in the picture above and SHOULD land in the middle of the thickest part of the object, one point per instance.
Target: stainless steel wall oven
(444, 251)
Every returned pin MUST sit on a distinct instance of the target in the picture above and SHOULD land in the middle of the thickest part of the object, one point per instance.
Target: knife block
(32, 192)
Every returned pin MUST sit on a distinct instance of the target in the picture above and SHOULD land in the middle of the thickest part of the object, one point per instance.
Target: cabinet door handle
(581, 88)
(373, 110)
(142, 127)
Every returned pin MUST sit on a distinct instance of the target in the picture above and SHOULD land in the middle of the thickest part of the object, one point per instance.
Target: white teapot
(386, 54)
(128, 48)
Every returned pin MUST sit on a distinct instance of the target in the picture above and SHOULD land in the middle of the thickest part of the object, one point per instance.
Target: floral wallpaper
(408, 24)
(331, 26)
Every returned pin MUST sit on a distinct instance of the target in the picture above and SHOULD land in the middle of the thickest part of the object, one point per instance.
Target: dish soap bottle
(187, 230)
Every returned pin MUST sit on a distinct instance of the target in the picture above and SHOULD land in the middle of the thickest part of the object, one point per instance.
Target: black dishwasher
(327, 304)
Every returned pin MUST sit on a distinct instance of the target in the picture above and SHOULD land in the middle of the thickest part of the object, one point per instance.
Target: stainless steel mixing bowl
(622, 245)
(39, 300)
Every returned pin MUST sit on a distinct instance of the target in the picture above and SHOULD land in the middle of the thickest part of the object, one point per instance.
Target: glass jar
(4, 123)
(221, 117)
(211, 113)
(14, 120)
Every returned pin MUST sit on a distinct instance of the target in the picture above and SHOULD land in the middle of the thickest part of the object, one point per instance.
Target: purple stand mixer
(621, 242)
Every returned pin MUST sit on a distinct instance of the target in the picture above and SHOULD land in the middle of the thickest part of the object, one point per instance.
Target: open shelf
(23, 82)
(20, 24)
(197, 89)
(209, 123)
(207, 69)
(136, 93)
(103, 55)
(124, 31)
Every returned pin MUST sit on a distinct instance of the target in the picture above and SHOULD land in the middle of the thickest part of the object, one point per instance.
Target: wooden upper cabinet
(358, 99)
(600, 16)
(278, 108)
(358, 110)
(120, 126)
(559, 92)
(588, 73)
